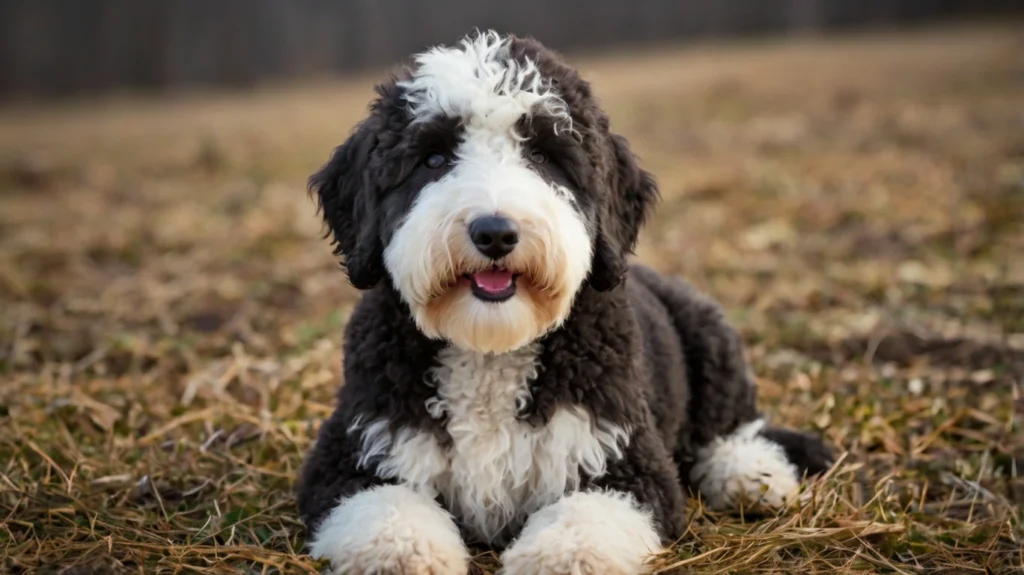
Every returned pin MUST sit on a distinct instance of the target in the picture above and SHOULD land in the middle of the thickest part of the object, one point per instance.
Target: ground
(171, 318)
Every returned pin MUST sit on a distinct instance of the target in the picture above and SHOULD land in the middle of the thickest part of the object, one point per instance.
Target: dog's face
(486, 188)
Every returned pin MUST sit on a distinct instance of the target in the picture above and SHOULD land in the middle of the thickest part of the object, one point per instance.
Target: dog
(511, 379)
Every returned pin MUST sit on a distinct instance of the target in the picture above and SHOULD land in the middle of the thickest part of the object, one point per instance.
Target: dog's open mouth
(493, 285)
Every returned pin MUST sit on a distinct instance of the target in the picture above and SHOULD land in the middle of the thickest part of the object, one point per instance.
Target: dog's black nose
(494, 236)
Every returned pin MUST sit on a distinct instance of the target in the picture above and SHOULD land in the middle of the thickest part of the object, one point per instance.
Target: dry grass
(171, 318)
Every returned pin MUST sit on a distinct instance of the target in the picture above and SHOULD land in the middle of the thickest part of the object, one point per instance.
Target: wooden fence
(66, 47)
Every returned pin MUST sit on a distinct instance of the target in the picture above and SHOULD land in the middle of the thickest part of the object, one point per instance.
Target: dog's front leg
(613, 526)
(390, 530)
(363, 524)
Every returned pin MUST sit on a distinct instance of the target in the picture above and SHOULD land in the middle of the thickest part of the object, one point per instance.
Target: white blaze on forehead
(479, 81)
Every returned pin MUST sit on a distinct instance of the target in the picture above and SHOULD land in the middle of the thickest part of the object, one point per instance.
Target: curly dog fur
(562, 424)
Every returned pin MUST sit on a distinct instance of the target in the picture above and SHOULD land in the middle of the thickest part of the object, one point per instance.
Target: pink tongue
(493, 280)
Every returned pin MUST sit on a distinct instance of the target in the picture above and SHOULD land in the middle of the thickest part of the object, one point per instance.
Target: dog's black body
(652, 353)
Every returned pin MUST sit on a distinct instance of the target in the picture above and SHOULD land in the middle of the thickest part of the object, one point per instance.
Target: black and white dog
(510, 380)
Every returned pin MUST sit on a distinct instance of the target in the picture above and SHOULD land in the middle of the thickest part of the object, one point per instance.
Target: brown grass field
(171, 318)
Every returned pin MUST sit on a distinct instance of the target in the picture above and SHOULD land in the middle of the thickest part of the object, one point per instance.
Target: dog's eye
(537, 156)
(435, 160)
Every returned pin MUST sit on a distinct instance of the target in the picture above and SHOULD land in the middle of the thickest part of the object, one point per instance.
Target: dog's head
(486, 186)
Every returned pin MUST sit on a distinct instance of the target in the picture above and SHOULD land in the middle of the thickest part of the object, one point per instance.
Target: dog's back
(709, 376)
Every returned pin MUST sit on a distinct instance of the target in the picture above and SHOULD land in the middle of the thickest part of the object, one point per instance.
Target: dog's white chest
(496, 470)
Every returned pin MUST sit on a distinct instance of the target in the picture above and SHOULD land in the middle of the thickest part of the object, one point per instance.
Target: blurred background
(52, 47)
(845, 177)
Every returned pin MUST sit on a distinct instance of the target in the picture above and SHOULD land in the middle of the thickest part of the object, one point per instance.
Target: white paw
(587, 533)
(746, 469)
(390, 530)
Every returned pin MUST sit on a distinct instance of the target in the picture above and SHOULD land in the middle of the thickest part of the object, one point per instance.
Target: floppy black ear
(346, 200)
(632, 192)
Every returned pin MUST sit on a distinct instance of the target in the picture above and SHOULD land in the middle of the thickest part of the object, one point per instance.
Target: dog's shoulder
(384, 361)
